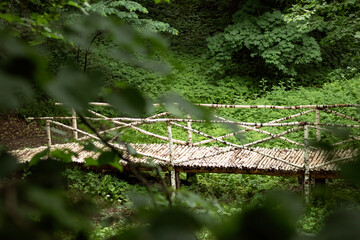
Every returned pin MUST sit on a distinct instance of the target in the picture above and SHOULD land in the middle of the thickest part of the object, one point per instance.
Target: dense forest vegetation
(134, 53)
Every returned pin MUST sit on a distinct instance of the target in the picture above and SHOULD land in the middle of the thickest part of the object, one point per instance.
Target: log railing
(124, 123)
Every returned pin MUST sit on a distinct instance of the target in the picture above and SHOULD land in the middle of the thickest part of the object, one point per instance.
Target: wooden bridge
(262, 161)
(228, 156)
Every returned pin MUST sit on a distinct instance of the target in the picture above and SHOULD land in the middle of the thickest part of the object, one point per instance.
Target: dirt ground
(16, 132)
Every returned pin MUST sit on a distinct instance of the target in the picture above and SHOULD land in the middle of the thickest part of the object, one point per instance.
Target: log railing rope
(342, 115)
(292, 116)
(144, 120)
(272, 135)
(248, 126)
(273, 121)
(124, 125)
(247, 106)
(221, 137)
(74, 129)
(352, 138)
(278, 107)
(238, 146)
(334, 161)
(141, 130)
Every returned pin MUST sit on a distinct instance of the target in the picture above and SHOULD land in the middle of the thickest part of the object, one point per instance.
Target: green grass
(230, 192)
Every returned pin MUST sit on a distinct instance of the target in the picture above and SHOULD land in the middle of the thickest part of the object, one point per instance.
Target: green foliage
(336, 26)
(337, 92)
(129, 11)
(128, 49)
(189, 79)
(194, 20)
(337, 18)
(274, 221)
(107, 232)
(281, 45)
(238, 190)
(105, 185)
(107, 8)
(38, 208)
(313, 219)
(17, 87)
(34, 20)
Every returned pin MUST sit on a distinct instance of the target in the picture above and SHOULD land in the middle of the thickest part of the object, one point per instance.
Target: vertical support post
(48, 133)
(74, 124)
(317, 116)
(189, 132)
(177, 179)
(306, 165)
(318, 138)
(171, 150)
(190, 141)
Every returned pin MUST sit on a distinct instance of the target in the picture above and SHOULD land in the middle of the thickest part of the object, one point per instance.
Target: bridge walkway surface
(263, 161)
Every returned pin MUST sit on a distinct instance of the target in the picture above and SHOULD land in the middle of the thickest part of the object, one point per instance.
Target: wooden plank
(299, 157)
(238, 161)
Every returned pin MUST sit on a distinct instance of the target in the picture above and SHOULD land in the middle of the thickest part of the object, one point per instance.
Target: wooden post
(318, 138)
(171, 154)
(74, 124)
(317, 116)
(177, 178)
(48, 132)
(189, 132)
(190, 141)
(306, 165)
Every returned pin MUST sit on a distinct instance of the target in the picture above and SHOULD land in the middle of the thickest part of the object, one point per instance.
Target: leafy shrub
(281, 45)
(104, 185)
(238, 188)
(129, 12)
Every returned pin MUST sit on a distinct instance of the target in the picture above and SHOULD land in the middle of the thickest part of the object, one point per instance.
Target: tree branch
(131, 164)
(88, 49)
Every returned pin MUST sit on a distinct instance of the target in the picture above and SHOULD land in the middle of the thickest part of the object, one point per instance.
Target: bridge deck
(221, 159)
